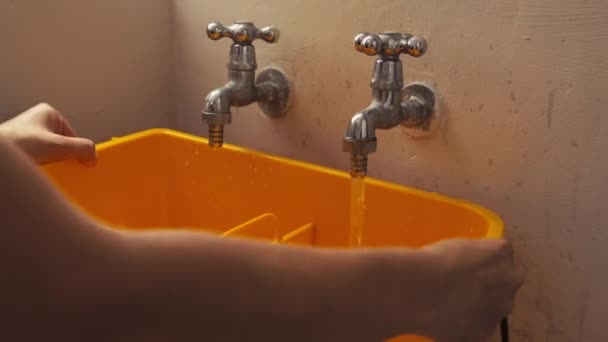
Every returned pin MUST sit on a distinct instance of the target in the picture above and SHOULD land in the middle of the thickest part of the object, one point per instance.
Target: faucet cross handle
(242, 32)
(390, 44)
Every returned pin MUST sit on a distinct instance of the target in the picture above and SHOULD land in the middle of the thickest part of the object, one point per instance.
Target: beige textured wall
(523, 84)
(107, 65)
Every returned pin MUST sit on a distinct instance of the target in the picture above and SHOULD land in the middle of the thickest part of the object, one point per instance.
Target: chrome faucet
(270, 89)
(392, 104)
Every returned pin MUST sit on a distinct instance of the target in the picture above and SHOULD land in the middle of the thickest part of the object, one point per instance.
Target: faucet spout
(386, 111)
(239, 91)
(362, 126)
(383, 113)
(217, 113)
(360, 139)
(219, 100)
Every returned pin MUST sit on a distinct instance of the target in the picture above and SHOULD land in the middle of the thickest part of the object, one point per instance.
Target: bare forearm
(157, 284)
(78, 280)
(202, 287)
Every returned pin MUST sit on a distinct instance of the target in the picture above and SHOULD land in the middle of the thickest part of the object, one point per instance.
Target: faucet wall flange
(273, 92)
(419, 108)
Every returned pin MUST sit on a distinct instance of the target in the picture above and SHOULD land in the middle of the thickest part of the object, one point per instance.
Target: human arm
(74, 279)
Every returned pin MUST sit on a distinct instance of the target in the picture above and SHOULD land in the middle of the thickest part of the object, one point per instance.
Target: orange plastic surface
(161, 178)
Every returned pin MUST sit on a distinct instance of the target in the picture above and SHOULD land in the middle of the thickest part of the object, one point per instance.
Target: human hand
(478, 281)
(43, 134)
(451, 291)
